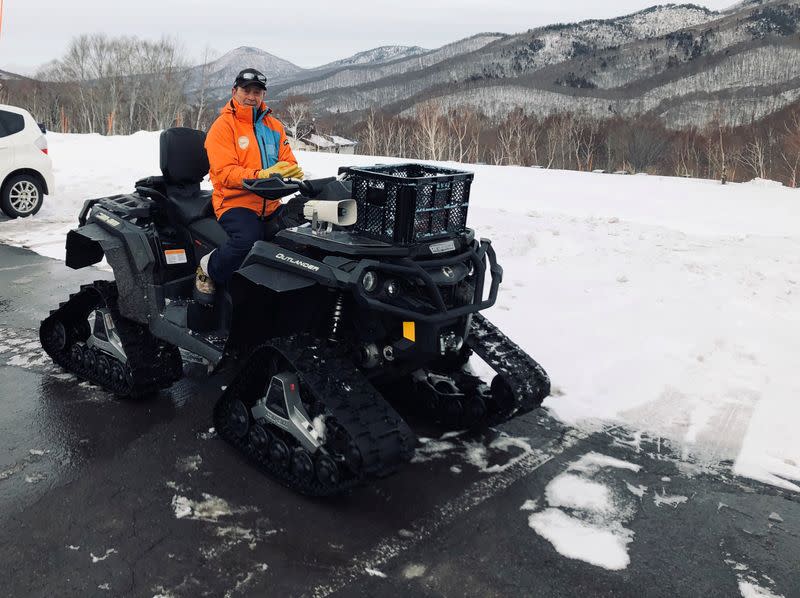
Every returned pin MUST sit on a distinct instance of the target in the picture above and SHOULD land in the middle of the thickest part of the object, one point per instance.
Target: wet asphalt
(104, 497)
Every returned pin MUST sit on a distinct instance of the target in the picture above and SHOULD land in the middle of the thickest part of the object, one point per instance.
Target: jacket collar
(244, 113)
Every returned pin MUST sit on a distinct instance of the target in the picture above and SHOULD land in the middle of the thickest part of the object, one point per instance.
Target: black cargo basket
(409, 203)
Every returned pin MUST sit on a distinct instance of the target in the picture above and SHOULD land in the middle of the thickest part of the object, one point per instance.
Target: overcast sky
(307, 32)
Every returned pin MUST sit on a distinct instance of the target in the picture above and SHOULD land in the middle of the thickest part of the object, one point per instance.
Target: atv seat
(184, 163)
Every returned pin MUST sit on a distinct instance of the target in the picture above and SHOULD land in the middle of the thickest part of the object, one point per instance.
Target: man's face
(252, 95)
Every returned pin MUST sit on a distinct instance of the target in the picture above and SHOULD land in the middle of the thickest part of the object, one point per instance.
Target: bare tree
(162, 92)
(296, 109)
(372, 133)
(753, 157)
(205, 70)
(790, 153)
(431, 131)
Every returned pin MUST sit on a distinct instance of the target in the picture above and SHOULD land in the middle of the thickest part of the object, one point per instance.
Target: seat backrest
(183, 156)
(184, 163)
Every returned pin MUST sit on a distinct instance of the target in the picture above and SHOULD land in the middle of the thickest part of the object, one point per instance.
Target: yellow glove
(294, 172)
(286, 170)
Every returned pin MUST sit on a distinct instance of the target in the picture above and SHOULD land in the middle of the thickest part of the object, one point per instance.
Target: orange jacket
(237, 149)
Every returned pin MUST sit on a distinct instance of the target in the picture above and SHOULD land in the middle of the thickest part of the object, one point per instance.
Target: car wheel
(21, 196)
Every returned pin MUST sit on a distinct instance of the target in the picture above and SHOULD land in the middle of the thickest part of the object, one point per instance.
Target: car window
(10, 123)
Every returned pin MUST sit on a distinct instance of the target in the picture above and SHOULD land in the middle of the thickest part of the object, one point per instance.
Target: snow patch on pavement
(669, 500)
(97, 559)
(585, 517)
(414, 571)
(751, 590)
(575, 492)
(210, 509)
(604, 546)
(375, 572)
(188, 464)
(751, 583)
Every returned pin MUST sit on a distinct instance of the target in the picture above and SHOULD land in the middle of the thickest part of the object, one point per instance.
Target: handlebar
(273, 187)
(276, 187)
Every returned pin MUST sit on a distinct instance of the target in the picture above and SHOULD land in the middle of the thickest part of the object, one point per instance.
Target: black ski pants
(244, 228)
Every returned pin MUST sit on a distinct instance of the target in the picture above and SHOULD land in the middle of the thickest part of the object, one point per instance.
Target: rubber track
(528, 381)
(152, 364)
(382, 437)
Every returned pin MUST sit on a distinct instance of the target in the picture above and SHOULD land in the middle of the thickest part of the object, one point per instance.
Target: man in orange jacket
(245, 142)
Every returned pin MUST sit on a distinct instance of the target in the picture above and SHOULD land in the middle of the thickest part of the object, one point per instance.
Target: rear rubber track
(151, 364)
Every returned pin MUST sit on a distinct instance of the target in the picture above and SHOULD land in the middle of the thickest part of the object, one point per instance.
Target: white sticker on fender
(175, 256)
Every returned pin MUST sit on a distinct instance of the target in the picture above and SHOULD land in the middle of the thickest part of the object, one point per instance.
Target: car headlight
(392, 288)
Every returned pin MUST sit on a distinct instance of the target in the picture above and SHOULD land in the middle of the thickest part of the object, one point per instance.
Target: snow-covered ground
(671, 305)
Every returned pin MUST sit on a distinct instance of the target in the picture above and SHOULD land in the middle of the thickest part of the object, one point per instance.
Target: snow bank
(672, 305)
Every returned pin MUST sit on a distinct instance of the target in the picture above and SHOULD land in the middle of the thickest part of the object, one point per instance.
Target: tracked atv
(323, 332)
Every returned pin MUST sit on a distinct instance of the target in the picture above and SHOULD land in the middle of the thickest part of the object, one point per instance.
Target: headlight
(392, 288)
(369, 281)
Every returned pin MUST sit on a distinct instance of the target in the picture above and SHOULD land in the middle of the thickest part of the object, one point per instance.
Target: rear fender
(127, 252)
(87, 245)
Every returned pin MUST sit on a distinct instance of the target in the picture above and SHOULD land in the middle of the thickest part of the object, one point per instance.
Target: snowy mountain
(682, 63)
(316, 82)
(376, 56)
(222, 71)
(10, 76)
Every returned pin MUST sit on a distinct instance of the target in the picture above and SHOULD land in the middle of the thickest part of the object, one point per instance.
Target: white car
(26, 171)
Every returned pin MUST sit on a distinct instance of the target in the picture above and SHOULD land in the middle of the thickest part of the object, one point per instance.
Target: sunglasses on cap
(252, 76)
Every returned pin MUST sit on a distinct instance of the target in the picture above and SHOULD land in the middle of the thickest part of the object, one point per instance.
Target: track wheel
(239, 419)
(302, 465)
(55, 336)
(90, 360)
(260, 439)
(118, 374)
(104, 368)
(279, 453)
(77, 354)
(327, 472)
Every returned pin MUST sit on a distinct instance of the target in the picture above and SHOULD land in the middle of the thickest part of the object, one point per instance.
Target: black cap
(250, 77)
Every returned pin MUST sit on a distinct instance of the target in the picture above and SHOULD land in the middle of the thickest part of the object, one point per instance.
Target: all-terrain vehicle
(325, 333)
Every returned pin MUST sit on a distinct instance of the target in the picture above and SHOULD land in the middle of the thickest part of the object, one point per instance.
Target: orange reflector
(409, 331)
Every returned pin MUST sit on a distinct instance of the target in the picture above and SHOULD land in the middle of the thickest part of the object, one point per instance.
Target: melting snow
(593, 462)
(751, 590)
(590, 526)
(375, 572)
(637, 490)
(97, 559)
(671, 501)
(576, 492)
(210, 509)
(190, 463)
(602, 546)
(414, 571)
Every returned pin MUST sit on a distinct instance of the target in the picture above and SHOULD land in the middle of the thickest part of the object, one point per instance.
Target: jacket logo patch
(244, 142)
